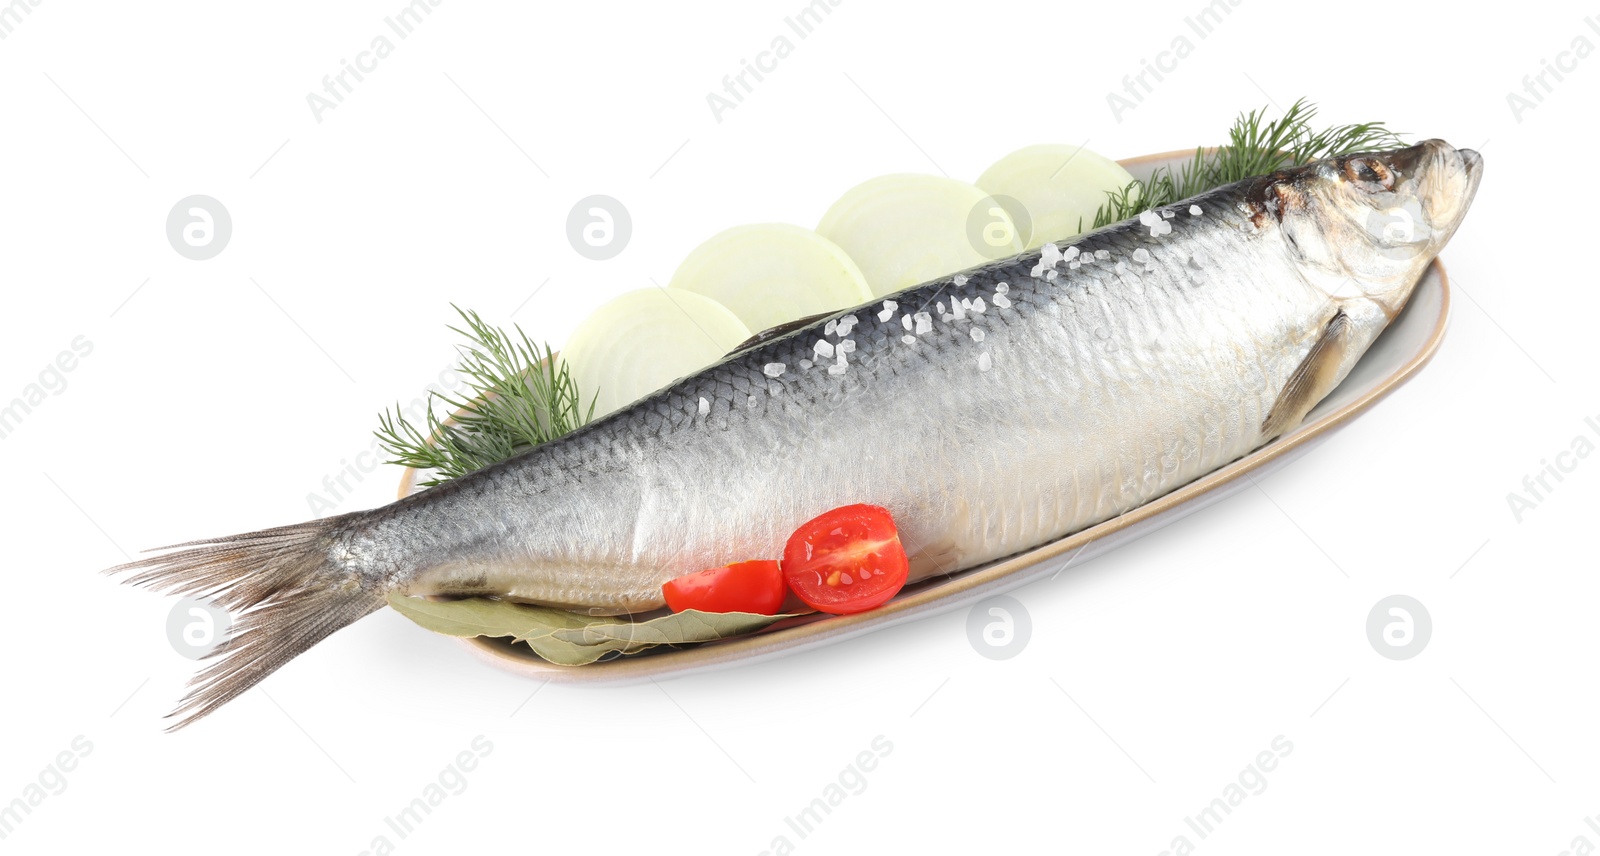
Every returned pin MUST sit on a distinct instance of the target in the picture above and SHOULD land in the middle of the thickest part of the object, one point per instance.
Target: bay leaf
(482, 616)
(568, 638)
(679, 628)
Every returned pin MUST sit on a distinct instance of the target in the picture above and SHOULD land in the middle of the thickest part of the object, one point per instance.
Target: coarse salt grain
(909, 339)
(984, 361)
(977, 334)
(705, 406)
(1194, 211)
(773, 369)
(1049, 254)
(1002, 301)
(823, 347)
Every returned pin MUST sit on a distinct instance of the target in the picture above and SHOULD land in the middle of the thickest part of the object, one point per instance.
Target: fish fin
(284, 582)
(1313, 379)
(771, 333)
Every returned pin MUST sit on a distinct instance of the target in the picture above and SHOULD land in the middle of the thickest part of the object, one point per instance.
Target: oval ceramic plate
(1398, 354)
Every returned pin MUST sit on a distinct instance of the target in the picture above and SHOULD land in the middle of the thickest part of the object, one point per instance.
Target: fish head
(1369, 223)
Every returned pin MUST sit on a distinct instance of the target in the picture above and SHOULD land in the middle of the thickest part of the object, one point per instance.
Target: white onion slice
(773, 273)
(1057, 185)
(903, 230)
(645, 340)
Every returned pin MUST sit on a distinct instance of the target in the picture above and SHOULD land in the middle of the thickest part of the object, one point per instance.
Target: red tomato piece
(848, 560)
(755, 586)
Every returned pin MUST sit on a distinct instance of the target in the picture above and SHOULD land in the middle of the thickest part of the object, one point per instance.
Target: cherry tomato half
(848, 560)
(755, 586)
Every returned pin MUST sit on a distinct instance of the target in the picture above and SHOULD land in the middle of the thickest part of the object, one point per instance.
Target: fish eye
(1369, 171)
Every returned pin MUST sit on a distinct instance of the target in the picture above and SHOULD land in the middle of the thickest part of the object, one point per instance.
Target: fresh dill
(1255, 147)
(518, 396)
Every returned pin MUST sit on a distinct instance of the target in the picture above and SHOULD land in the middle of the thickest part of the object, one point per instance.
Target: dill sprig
(517, 396)
(1255, 147)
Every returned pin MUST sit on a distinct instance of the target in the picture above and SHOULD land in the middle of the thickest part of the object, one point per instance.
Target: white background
(220, 394)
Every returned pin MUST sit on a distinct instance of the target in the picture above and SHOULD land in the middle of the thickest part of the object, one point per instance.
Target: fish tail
(282, 584)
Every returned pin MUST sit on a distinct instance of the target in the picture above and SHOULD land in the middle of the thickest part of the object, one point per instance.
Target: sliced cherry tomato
(755, 586)
(848, 560)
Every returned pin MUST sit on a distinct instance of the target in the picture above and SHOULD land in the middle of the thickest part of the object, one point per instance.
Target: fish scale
(1089, 394)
